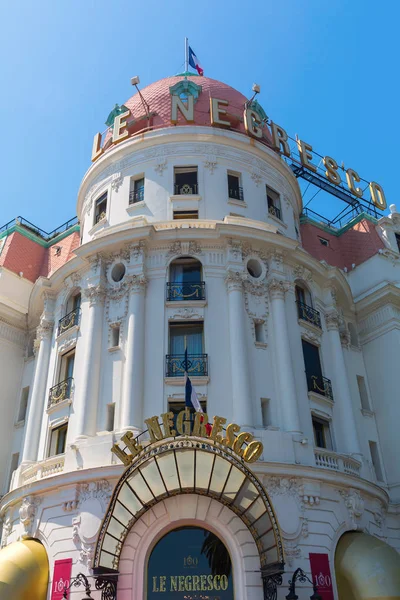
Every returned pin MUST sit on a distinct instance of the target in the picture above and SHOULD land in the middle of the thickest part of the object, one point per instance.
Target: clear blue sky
(328, 72)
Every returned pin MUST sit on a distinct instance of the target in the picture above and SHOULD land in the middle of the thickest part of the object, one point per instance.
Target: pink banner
(321, 575)
(61, 578)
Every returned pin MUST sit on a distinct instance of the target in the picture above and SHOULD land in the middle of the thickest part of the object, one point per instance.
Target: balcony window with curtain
(184, 336)
(305, 309)
(316, 382)
(235, 190)
(62, 390)
(185, 280)
(100, 208)
(274, 203)
(57, 440)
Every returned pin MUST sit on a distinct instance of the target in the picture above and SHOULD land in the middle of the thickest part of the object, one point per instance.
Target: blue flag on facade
(191, 399)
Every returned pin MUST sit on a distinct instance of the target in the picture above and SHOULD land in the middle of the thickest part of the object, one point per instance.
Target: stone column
(131, 415)
(38, 395)
(341, 391)
(87, 396)
(286, 388)
(241, 393)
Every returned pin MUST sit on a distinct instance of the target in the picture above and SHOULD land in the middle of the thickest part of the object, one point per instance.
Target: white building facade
(191, 237)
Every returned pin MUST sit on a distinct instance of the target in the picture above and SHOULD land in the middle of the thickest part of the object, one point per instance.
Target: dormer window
(274, 203)
(100, 208)
(235, 190)
(185, 181)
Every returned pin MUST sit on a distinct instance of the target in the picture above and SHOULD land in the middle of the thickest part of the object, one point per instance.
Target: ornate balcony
(275, 211)
(60, 392)
(320, 385)
(70, 320)
(236, 193)
(197, 365)
(309, 314)
(185, 291)
(45, 468)
(185, 189)
(328, 459)
(136, 195)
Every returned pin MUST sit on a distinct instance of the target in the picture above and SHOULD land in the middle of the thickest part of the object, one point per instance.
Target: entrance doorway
(190, 562)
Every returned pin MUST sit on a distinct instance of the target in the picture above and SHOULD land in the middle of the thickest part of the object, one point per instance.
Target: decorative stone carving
(300, 272)
(27, 514)
(311, 336)
(234, 280)
(304, 527)
(195, 248)
(276, 261)
(187, 313)
(67, 343)
(379, 515)
(235, 249)
(95, 294)
(277, 287)
(210, 163)
(355, 506)
(332, 320)
(345, 338)
(7, 528)
(161, 161)
(256, 173)
(137, 251)
(256, 288)
(137, 283)
(278, 486)
(45, 329)
(311, 500)
(292, 553)
(175, 249)
(116, 181)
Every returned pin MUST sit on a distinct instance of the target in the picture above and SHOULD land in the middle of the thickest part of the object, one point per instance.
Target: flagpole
(186, 54)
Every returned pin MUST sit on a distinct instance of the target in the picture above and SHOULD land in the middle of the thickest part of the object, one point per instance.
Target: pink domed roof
(158, 98)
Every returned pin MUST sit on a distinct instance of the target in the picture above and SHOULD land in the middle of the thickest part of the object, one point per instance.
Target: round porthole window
(118, 272)
(254, 268)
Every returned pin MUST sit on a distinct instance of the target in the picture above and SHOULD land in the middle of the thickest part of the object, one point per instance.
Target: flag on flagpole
(194, 62)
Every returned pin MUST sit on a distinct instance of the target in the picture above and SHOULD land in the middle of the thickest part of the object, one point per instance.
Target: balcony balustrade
(275, 211)
(327, 459)
(185, 291)
(100, 216)
(236, 193)
(45, 468)
(60, 392)
(309, 314)
(70, 320)
(197, 365)
(185, 189)
(320, 385)
(136, 195)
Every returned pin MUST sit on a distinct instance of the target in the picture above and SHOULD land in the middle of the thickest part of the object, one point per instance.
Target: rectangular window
(186, 214)
(323, 241)
(67, 366)
(100, 208)
(312, 362)
(259, 332)
(136, 193)
(274, 203)
(373, 448)
(110, 417)
(183, 335)
(235, 190)
(23, 405)
(362, 389)
(13, 467)
(398, 240)
(58, 438)
(185, 181)
(265, 412)
(322, 434)
(115, 332)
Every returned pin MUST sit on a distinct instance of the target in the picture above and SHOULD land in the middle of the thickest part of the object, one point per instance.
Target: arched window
(190, 562)
(304, 302)
(185, 280)
(72, 313)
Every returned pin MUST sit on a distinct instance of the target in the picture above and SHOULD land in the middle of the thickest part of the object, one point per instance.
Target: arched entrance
(189, 560)
(183, 472)
(366, 568)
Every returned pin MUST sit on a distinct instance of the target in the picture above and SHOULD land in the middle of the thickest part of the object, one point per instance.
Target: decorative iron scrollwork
(309, 314)
(196, 364)
(185, 291)
(60, 392)
(107, 586)
(70, 320)
(270, 586)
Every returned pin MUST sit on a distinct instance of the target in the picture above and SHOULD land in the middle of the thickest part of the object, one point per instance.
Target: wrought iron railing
(236, 193)
(320, 385)
(185, 189)
(136, 195)
(186, 291)
(60, 392)
(70, 320)
(197, 364)
(309, 314)
(275, 211)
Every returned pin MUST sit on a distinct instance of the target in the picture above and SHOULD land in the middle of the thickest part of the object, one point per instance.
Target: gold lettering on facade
(217, 110)
(154, 428)
(216, 428)
(331, 170)
(168, 424)
(279, 139)
(119, 126)
(351, 177)
(130, 443)
(252, 123)
(199, 427)
(305, 151)
(231, 430)
(377, 195)
(187, 110)
(97, 150)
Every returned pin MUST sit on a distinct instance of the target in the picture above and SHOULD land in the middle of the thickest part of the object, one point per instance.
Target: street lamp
(80, 579)
(299, 575)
